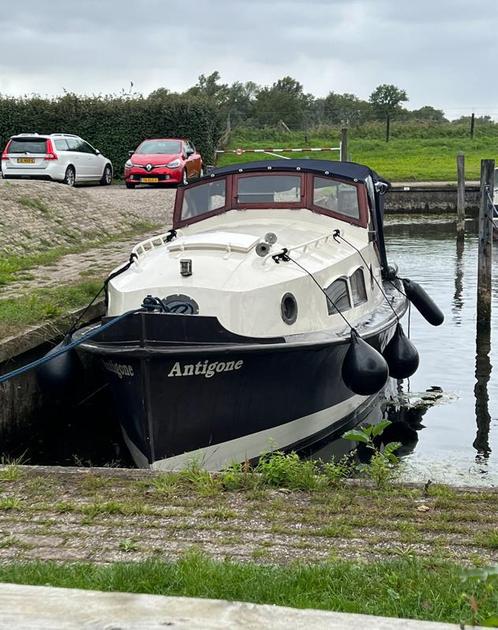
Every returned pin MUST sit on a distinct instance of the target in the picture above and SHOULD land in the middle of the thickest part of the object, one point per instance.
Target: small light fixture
(186, 267)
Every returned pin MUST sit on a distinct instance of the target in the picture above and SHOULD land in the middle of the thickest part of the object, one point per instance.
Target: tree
(284, 100)
(428, 113)
(345, 109)
(209, 87)
(386, 101)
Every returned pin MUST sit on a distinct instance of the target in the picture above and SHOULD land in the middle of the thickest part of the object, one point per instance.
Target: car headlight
(128, 164)
(174, 164)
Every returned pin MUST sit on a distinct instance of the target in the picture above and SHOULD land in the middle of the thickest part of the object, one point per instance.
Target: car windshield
(166, 147)
(269, 189)
(27, 145)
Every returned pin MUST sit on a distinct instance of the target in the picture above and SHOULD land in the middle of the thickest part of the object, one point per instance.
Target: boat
(267, 318)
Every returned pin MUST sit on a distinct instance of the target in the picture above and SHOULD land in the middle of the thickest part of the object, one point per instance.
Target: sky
(441, 52)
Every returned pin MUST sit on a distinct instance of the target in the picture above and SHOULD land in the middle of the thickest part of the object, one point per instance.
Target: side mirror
(97, 152)
(189, 153)
(130, 153)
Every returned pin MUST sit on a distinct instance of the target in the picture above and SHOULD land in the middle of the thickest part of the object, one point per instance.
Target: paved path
(141, 212)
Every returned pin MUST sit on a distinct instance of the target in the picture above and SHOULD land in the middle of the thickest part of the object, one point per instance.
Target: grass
(430, 158)
(401, 587)
(41, 305)
(33, 203)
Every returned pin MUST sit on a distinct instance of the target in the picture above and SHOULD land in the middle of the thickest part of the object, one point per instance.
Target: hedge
(114, 125)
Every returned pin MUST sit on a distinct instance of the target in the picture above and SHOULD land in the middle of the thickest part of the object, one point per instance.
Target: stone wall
(430, 198)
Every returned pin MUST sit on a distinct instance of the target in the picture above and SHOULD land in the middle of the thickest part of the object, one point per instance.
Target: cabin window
(269, 189)
(204, 198)
(358, 289)
(338, 295)
(336, 197)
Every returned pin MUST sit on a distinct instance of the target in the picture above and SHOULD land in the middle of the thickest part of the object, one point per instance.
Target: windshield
(269, 189)
(27, 145)
(203, 198)
(166, 147)
(336, 197)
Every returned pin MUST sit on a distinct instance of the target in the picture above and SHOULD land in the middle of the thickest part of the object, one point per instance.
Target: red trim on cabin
(307, 183)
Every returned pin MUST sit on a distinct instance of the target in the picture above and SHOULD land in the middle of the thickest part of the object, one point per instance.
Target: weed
(10, 503)
(238, 477)
(128, 544)
(166, 483)
(280, 470)
(34, 204)
(221, 513)
(487, 539)
(382, 465)
(11, 472)
(201, 480)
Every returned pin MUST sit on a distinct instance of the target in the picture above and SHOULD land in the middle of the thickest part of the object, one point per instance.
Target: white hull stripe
(253, 445)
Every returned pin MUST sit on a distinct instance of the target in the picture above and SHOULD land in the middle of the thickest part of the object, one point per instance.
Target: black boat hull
(224, 401)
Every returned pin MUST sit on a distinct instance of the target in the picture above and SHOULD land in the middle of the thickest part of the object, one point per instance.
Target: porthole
(289, 308)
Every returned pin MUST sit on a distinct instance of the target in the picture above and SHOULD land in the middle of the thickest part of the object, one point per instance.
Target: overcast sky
(442, 52)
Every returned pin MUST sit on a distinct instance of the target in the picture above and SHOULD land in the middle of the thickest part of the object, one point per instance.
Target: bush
(114, 124)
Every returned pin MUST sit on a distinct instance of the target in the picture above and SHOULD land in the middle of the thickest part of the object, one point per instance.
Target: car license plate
(149, 180)
(25, 160)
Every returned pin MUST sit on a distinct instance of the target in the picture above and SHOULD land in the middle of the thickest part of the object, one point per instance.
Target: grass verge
(401, 159)
(408, 588)
(41, 305)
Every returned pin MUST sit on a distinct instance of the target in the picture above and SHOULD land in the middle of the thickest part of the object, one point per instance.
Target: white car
(59, 156)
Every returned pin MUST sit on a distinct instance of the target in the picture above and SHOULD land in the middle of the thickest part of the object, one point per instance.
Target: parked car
(163, 161)
(60, 157)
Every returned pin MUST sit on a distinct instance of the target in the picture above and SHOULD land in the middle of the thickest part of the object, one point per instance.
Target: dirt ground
(105, 515)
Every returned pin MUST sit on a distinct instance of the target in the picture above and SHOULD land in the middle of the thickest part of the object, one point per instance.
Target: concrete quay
(47, 608)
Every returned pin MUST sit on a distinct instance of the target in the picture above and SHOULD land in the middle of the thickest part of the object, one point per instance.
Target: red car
(163, 161)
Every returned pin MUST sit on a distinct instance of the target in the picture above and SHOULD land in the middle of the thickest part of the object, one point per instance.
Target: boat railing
(304, 247)
(151, 243)
(161, 240)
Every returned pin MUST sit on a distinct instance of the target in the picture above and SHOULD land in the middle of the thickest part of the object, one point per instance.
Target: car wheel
(130, 185)
(70, 176)
(184, 177)
(106, 178)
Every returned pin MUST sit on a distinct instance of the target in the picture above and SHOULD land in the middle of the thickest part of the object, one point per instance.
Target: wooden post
(484, 273)
(344, 144)
(388, 127)
(472, 124)
(460, 195)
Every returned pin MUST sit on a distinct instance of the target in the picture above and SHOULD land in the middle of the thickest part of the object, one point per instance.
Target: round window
(289, 308)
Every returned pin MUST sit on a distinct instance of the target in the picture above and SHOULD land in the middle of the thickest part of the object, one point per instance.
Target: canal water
(459, 439)
(454, 440)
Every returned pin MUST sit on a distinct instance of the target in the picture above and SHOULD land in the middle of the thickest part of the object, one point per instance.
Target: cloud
(443, 53)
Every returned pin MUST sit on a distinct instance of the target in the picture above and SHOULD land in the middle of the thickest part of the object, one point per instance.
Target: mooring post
(344, 144)
(484, 273)
(460, 195)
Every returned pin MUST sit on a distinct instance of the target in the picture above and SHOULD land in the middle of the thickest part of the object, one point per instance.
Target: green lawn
(41, 305)
(404, 587)
(401, 159)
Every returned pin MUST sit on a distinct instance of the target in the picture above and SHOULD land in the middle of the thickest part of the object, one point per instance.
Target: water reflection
(482, 373)
(458, 295)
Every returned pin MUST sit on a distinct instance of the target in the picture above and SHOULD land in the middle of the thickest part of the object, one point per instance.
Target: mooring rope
(73, 344)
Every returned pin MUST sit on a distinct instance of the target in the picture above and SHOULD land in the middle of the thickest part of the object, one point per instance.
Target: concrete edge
(39, 334)
(44, 608)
